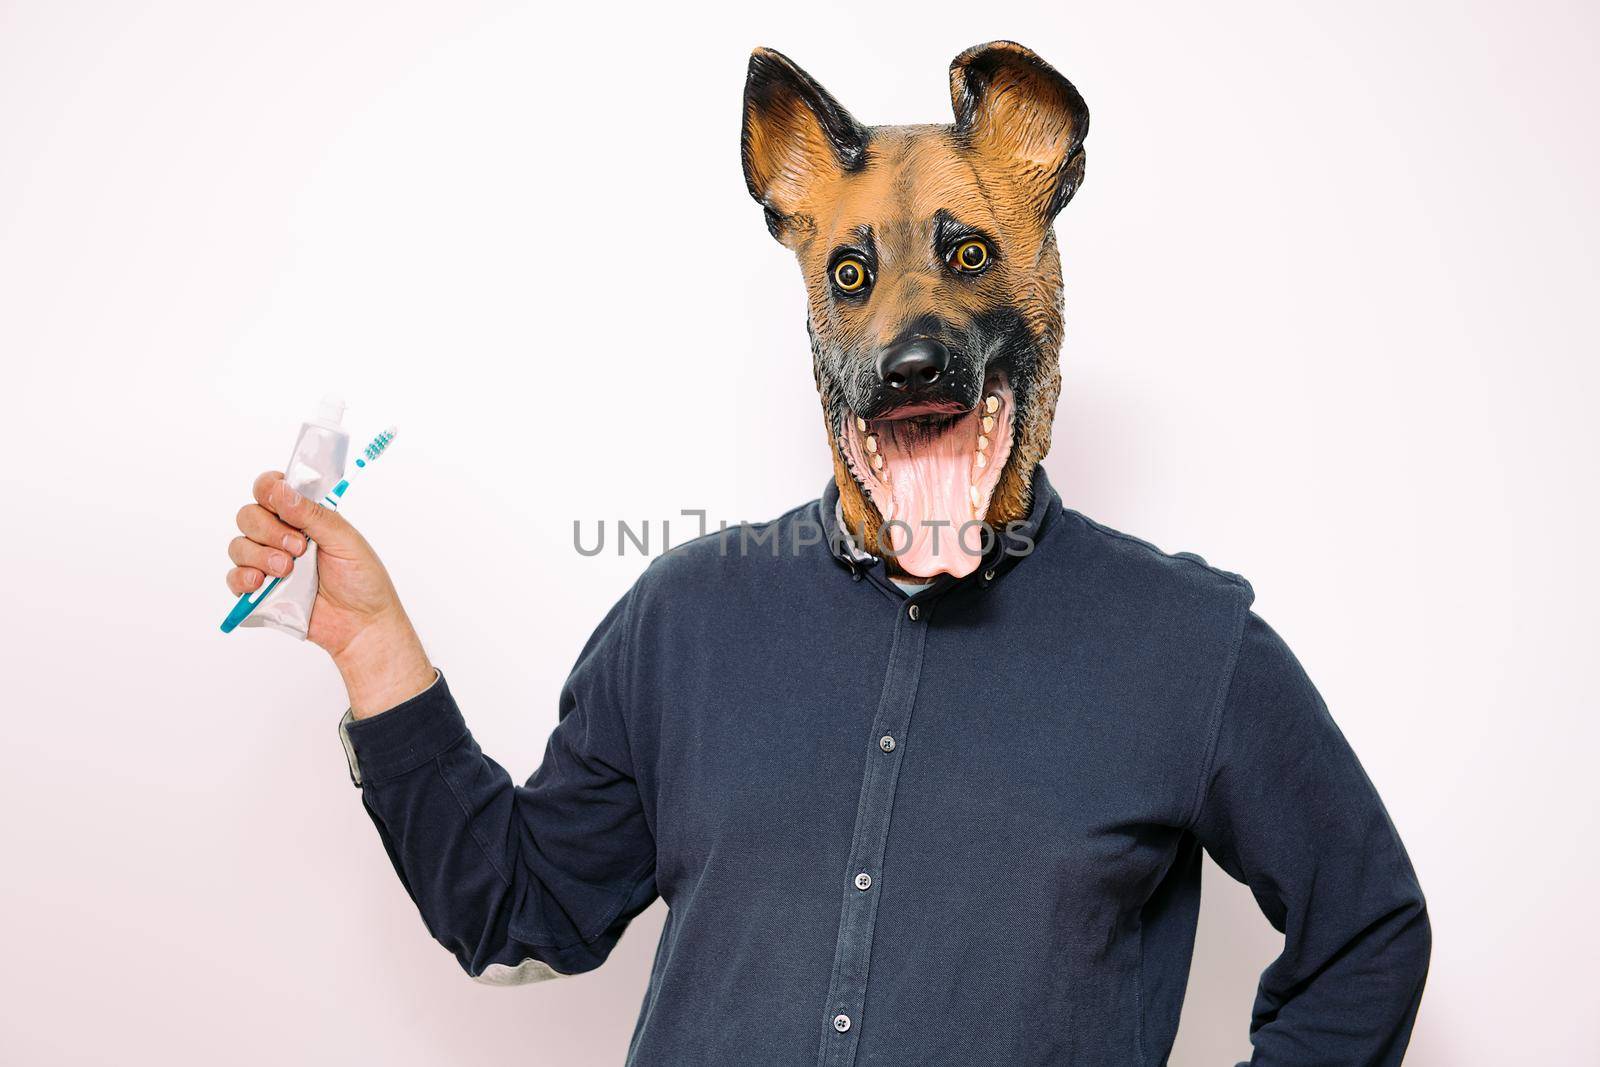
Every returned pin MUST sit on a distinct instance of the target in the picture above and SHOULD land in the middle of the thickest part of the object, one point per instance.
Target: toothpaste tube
(315, 467)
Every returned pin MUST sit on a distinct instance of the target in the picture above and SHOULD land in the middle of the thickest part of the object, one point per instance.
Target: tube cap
(330, 411)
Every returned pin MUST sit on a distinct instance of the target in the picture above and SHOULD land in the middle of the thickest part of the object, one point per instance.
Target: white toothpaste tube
(315, 467)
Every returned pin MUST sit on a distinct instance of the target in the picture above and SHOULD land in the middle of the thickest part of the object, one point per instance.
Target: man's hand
(357, 617)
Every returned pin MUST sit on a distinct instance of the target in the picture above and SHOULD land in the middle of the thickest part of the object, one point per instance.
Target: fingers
(268, 546)
(247, 553)
(265, 528)
(242, 580)
(263, 486)
(321, 524)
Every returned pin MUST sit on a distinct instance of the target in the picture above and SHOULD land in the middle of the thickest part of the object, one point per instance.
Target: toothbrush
(250, 601)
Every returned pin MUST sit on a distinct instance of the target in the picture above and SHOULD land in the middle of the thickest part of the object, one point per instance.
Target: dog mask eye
(969, 257)
(850, 275)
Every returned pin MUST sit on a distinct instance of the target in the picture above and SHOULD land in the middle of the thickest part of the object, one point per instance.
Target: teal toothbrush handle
(248, 603)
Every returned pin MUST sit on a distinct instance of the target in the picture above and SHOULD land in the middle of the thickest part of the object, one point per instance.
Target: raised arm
(1288, 810)
(519, 882)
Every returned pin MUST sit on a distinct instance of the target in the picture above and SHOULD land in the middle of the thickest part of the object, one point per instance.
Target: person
(945, 807)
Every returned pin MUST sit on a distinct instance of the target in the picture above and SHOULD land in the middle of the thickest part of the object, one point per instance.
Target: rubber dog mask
(934, 289)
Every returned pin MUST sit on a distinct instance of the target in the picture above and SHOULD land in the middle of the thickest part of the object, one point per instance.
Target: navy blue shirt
(963, 827)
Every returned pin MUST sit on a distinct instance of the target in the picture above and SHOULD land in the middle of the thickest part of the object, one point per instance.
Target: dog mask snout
(913, 364)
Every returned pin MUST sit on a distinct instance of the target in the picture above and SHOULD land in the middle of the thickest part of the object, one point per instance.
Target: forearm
(1359, 1008)
(446, 814)
(516, 880)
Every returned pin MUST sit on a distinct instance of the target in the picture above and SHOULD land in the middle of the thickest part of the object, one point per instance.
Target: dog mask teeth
(923, 472)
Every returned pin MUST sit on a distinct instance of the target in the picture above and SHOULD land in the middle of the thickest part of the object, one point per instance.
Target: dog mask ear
(1015, 109)
(795, 135)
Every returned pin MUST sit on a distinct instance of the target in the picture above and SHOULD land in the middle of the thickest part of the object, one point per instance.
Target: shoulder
(1132, 566)
(701, 594)
(725, 559)
(1173, 604)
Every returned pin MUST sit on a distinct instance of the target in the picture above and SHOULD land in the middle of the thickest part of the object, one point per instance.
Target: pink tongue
(932, 485)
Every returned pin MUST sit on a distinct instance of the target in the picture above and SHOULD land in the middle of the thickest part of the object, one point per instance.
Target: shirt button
(841, 1023)
(886, 743)
(914, 613)
(863, 881)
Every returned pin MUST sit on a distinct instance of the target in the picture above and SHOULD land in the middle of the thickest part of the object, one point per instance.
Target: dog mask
(934, 289)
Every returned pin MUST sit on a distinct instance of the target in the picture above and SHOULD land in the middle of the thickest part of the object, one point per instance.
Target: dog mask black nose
(913, 365)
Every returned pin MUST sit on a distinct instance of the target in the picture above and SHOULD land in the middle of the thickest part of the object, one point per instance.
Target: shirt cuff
(404, 737)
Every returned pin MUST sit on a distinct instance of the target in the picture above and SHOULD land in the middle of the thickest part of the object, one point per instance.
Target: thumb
(321, 523)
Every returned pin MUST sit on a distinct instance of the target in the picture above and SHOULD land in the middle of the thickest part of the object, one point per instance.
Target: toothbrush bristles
(380, 442)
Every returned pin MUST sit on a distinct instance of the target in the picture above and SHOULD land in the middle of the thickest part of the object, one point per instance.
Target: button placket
(847, 988)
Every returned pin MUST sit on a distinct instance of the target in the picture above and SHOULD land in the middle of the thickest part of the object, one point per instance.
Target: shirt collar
(1010, 543)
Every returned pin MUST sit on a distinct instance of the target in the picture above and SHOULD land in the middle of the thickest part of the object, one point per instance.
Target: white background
(1331, 323)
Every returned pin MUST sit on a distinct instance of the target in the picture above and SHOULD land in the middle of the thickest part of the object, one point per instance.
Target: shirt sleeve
(1288, 810)
(521, 882)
